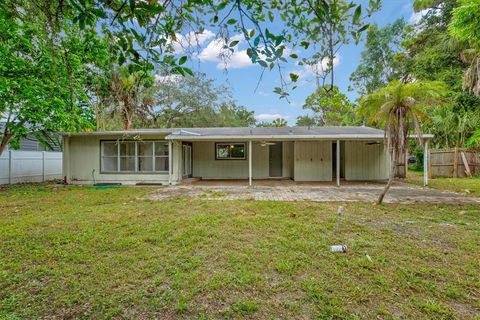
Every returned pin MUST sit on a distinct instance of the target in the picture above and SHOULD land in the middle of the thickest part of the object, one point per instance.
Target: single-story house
(167, 156)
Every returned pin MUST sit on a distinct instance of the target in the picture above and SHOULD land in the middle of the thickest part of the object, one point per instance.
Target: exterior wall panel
(84, 157)
(313, 161)
(207, 167)
(288, 159)
(302, 160)
(365, 161)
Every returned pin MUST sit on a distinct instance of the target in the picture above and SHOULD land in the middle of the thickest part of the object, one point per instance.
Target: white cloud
(217, 51)
(191, 39)
(270, 116)
(417, 16)
(317, 69)
(263, 93)
(238, 59)
(167, 78)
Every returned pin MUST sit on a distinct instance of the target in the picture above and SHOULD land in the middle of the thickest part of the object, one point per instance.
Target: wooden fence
(453, 163)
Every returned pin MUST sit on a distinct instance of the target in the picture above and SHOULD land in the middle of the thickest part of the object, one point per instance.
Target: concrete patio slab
(366, 192)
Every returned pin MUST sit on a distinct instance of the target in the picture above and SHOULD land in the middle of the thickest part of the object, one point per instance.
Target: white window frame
(136, 156)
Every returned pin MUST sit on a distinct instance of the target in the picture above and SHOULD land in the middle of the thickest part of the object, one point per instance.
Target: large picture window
(229, 151)
(134, 156)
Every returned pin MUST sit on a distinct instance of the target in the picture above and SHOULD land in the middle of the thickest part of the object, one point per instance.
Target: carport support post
(250, 163)
(425, 163)
(337, 167)
(170, 150)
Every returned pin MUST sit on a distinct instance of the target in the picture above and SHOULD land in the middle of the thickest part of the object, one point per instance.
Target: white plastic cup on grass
(338, 248)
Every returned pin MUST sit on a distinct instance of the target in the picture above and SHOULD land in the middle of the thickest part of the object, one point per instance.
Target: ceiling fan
(266, 143)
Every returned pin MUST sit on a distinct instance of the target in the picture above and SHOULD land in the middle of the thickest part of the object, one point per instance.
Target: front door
(275, 159)
(187, 160)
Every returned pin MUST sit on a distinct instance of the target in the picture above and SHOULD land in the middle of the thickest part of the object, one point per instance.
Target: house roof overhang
(254, 134)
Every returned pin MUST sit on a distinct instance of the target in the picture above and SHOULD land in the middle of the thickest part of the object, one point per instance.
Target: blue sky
(242, 77)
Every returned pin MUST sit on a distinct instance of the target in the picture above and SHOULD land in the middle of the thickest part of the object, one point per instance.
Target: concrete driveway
(367, 192)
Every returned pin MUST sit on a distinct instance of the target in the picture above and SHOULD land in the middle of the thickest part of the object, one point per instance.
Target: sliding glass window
(134, 156)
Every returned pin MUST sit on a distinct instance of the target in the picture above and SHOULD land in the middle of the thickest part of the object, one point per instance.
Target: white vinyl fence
(29, 166)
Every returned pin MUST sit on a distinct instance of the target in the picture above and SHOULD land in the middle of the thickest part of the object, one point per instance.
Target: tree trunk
(391, 177)
(5, 139)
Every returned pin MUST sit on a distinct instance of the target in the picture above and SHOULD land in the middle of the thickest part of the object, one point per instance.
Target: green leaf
(305, 44)
(231, 21)
(357, 14)
(262, 63)
(121, 59)
(271, 17)
(188, 71)
(294, 56)
(222, 5)
(293, 77)
(233, 43)
(256, 41)
(182, 60)
(365, 27)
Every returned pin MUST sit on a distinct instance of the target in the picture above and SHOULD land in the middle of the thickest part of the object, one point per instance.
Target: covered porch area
(297, 155)
(282, 163)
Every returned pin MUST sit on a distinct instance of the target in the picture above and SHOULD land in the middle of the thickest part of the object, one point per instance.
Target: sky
(243, 77)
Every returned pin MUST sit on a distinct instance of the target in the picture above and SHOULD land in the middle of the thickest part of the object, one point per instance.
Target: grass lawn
(470, 186)
(72, 252)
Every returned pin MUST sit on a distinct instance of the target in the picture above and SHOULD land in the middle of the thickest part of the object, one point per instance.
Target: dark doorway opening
(275, 160)
(187, 162)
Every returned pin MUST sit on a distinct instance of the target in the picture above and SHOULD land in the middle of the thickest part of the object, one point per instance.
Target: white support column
(250, 163)
(425, 163)
(338, 163)
(43, 166)
(170, 151)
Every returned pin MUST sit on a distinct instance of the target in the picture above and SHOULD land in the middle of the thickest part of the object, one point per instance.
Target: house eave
(284, 137)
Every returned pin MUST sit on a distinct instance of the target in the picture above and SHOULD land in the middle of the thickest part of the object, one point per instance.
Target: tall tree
(232, 115)
(465, 26)
(400, 109)
(431, 54)
(190, 101)
(324, 26)
(379, 62)
(306, 121)
(330, 107)
(42, 89)
(131, 95)
(277, 123)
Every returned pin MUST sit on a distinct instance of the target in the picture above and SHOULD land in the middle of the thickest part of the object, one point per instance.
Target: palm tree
(465, 27)
(400, 108)
(129, 95)
(279, 122)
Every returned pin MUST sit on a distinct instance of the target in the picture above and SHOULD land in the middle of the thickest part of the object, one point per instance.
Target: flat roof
(253, 133)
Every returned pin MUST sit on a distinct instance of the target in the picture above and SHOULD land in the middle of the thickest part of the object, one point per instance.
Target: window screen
(134, 156)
